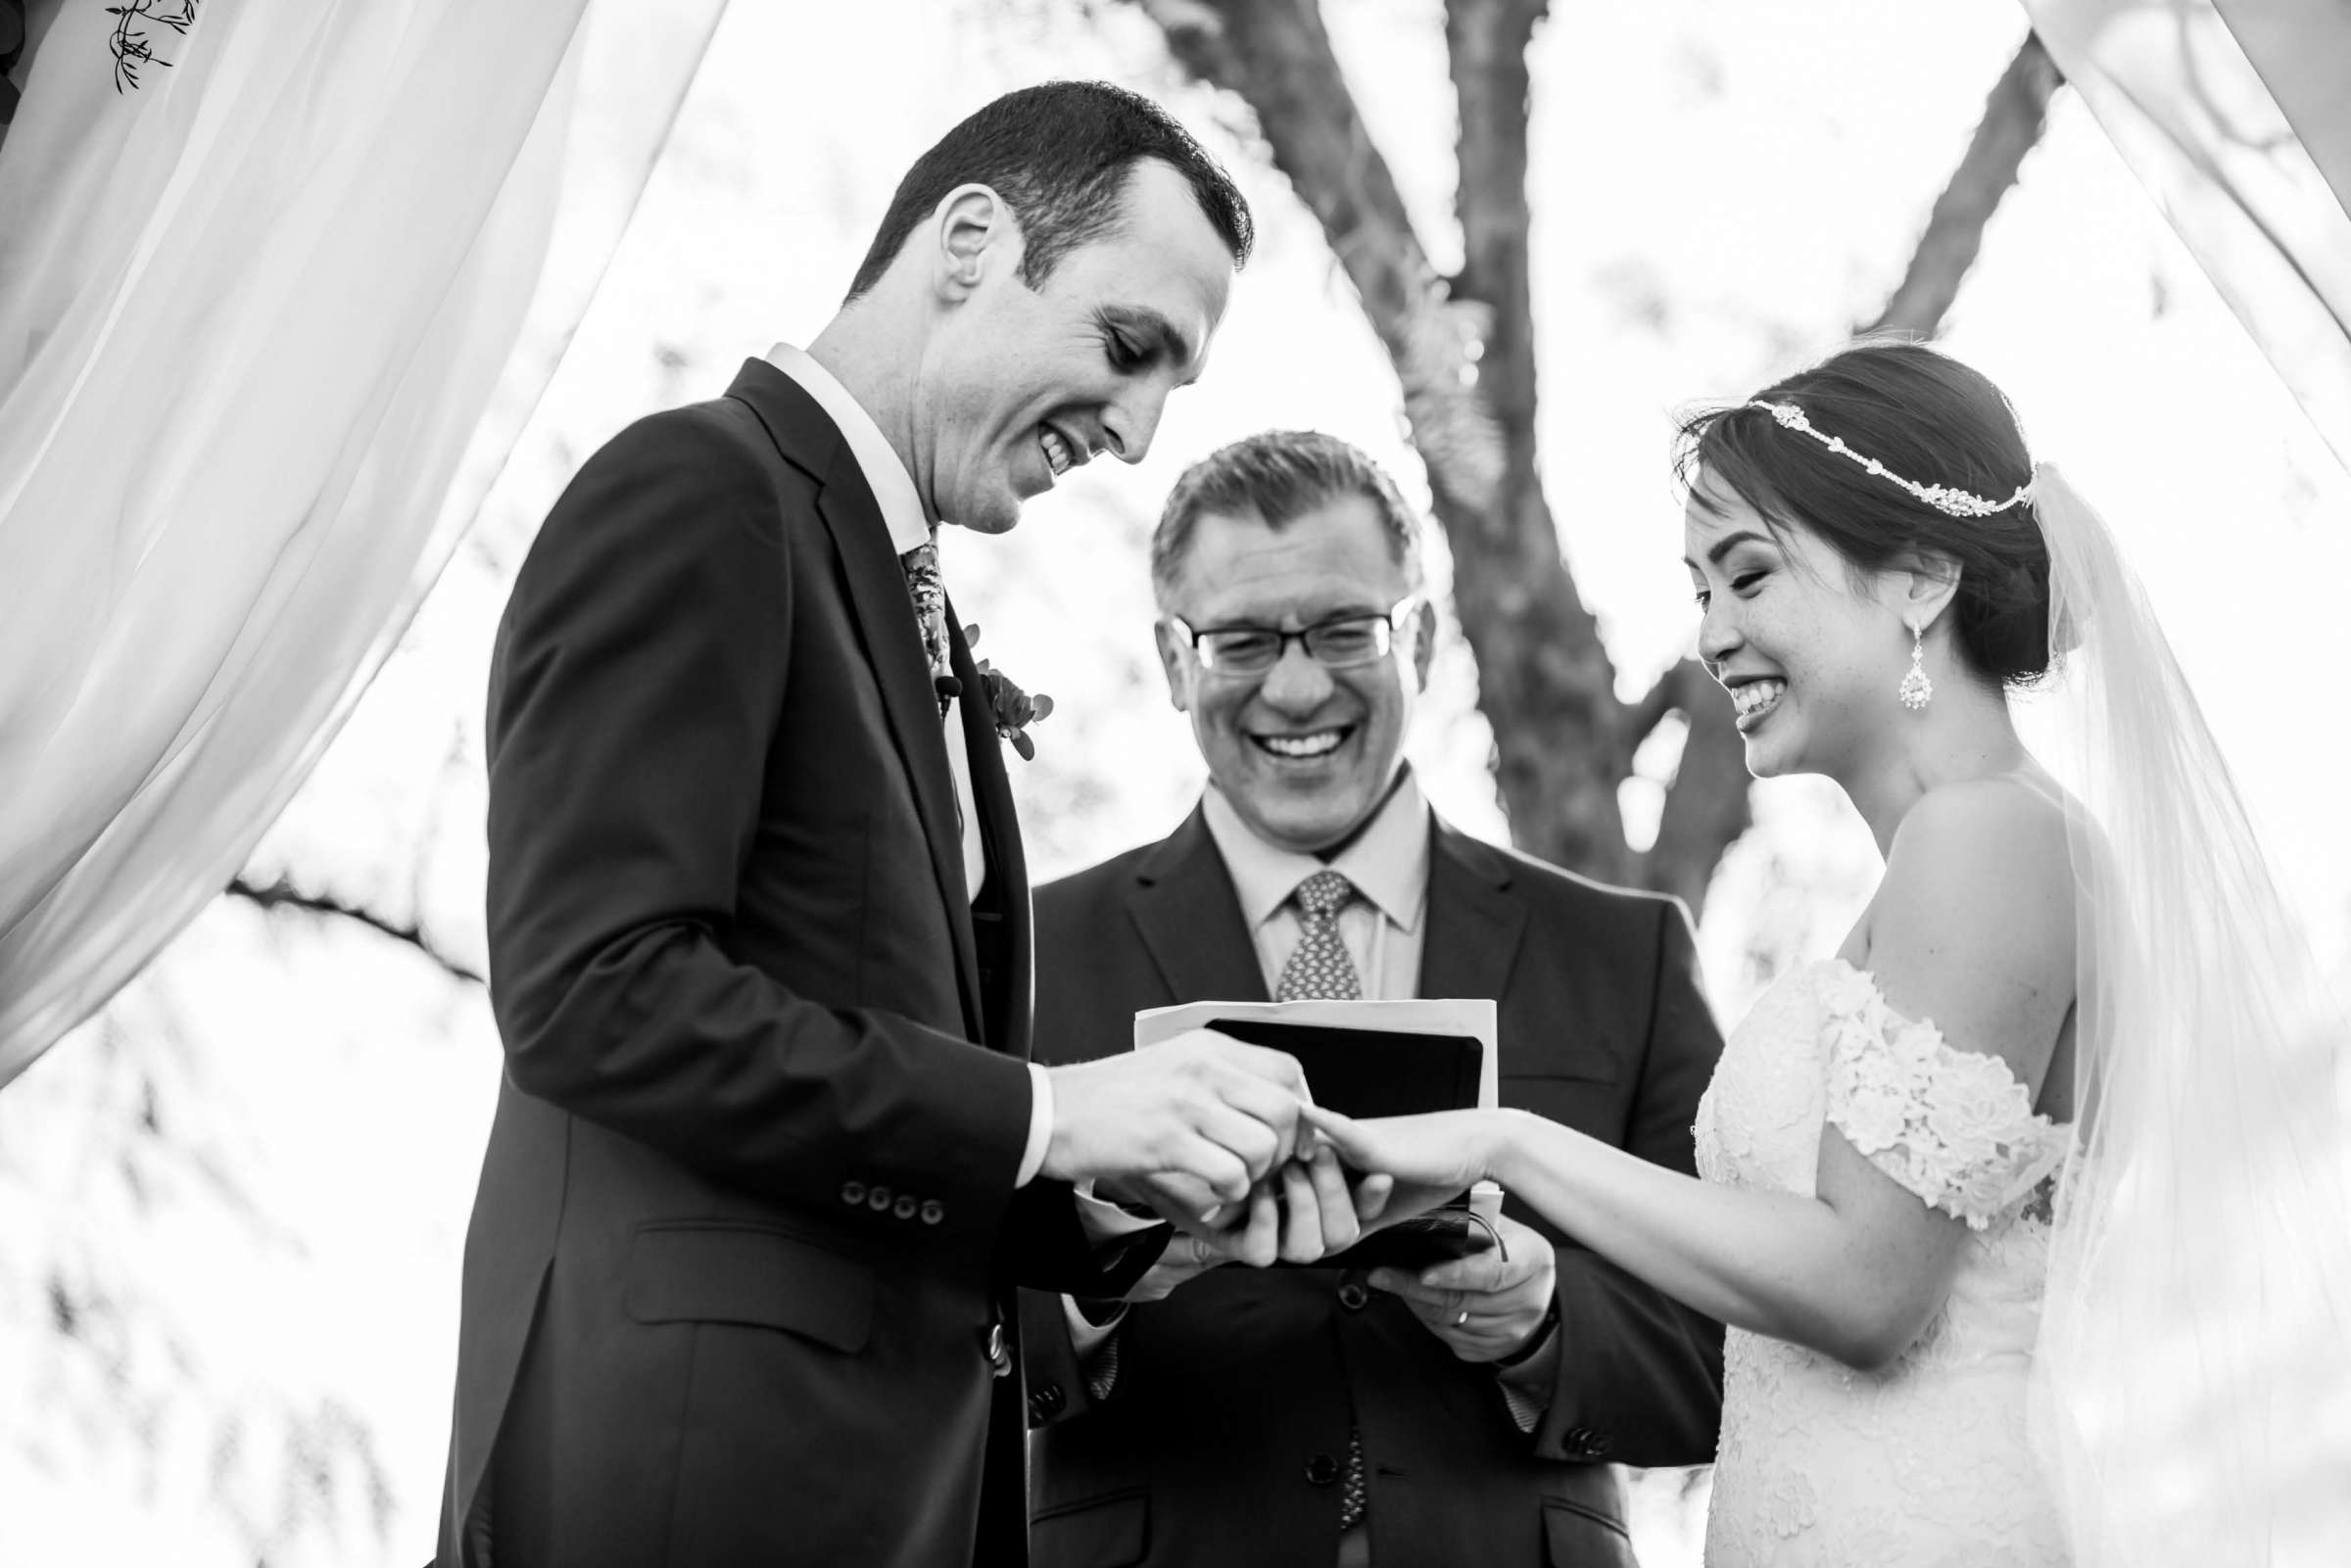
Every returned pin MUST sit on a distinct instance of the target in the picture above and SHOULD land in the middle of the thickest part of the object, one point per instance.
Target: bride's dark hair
(1927, 417)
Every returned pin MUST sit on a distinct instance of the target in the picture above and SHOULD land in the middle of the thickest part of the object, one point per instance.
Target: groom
(768, 1157)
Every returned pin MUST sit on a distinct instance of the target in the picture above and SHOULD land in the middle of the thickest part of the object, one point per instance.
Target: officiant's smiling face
(1304, 752)
(1021, 383)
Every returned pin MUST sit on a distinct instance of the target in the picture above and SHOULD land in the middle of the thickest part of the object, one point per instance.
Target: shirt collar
(1388, 862)
(884, 473)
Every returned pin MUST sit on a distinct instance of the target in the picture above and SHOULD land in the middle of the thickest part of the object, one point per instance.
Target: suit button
(1322, 1470)
(934, 1210)
(852, 1192)
(876, 1198)
(1045, 1404)
(904, 1207)
(1354, 1295)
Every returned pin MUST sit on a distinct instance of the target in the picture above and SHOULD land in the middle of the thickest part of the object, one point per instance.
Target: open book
(1375, 1059)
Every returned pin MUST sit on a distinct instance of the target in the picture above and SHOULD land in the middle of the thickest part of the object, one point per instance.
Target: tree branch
(283, 894)
(2014, 117)
(1545, 680)
(1465, 358)
(1467, 370)
(1275, 57)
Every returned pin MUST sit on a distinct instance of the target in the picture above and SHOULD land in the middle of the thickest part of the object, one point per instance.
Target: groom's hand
(1302, 1213)
(1194, 1122)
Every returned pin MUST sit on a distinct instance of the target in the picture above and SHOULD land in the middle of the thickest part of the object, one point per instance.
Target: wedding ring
(1464, 1318)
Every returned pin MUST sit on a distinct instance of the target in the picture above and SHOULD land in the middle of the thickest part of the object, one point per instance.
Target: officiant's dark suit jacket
(747, 1219)
(1233, 1395)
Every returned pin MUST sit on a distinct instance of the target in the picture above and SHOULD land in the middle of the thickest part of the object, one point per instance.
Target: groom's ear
(973, 231)
(1171, 664)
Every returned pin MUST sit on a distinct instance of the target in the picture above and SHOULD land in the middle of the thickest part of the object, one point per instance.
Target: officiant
(1293, 1416)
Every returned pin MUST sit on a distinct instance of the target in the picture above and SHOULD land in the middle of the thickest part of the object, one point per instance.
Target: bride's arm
(1972, 929)
(1854, 1273)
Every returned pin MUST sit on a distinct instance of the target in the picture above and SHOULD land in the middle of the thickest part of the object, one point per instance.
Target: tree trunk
(1464, 351)
(2014, 117)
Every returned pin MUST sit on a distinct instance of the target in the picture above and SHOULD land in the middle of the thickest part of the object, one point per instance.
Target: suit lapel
(1474, 921)
(1184, 907)
(887, 628)
(1003, 984)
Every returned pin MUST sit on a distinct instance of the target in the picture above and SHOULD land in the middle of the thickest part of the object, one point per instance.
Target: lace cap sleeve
(1954, 1127)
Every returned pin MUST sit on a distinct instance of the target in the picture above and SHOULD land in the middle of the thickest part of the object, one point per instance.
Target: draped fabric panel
(270, 324)
(2236, 117)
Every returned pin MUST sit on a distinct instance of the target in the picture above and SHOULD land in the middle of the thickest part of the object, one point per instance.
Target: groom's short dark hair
(1059, 154)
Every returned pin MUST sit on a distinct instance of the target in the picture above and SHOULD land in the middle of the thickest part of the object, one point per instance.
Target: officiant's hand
(1486, 1305)
(1189, 1125)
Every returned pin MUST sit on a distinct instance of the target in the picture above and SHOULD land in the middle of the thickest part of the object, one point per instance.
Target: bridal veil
(2193, 1390)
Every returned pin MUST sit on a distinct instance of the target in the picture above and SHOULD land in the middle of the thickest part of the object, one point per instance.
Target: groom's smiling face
(1304, 752)
(1022, 384)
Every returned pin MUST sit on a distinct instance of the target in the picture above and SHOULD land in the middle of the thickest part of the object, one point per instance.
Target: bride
(1976, 1193)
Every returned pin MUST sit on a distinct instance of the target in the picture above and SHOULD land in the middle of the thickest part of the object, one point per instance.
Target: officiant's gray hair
(1278, 475)
(1059, 154)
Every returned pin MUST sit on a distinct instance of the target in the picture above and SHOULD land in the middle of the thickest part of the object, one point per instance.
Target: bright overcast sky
(1720, 190)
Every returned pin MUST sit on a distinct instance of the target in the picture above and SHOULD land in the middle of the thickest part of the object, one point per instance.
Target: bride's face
(1810, 654)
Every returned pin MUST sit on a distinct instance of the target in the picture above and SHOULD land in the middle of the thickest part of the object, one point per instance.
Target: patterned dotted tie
(1320, 967)
(929, 589)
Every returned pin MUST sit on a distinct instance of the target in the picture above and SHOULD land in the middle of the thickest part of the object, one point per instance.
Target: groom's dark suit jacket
(747, 1217)
(1233, 1397)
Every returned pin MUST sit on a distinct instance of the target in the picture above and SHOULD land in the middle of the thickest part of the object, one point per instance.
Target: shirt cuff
(1105, 1222)
(1085, 1335)
(1527, 1384)
(1040, 1126)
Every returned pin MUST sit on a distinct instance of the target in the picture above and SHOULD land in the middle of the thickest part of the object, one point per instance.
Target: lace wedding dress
(1924, 1463)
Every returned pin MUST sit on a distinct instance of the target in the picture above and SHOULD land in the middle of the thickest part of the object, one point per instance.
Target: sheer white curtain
(268, 325)
(2236, 117)
(2194, 1393)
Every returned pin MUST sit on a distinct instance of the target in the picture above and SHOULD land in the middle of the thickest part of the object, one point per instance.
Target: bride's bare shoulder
(1978, 902)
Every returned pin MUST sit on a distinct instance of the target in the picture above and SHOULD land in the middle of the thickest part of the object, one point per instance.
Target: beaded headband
(1942, 497)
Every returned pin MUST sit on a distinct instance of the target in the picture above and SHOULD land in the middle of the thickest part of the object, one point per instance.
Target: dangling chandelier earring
(1916, 690)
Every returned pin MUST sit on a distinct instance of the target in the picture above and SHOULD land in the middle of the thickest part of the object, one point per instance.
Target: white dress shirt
(1384, 929)
(909, 528)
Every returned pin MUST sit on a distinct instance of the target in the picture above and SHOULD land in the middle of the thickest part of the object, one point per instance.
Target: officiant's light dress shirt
(910, 529)
(1382, 929)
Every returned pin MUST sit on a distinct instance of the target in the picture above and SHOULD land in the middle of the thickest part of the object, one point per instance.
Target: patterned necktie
(930, 593)
(1320, 967)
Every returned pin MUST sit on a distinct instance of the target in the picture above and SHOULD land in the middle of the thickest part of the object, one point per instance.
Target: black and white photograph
(1174, 784)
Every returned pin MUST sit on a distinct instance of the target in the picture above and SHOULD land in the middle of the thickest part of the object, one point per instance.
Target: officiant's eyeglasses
(1340, 643)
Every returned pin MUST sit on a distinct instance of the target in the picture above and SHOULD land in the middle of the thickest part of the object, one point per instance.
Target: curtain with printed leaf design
(271, 319)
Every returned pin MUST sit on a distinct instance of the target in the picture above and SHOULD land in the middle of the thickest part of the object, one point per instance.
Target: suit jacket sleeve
(634, 717)
(1640, 1374)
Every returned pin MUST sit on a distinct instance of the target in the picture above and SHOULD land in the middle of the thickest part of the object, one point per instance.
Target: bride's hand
(1444, 1150)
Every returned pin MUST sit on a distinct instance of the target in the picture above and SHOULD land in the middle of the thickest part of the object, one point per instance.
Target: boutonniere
(1012, 708)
